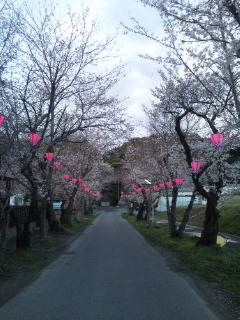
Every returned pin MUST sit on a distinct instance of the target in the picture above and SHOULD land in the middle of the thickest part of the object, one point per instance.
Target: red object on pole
(1, 119)
(57, 165)
(49, 156)
(34, 138)
(66, 177)
(179, 182)
(217, 139)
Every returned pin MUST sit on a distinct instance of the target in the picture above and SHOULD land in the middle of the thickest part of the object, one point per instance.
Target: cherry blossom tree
(182, 99)
(58, 86)
(200, 83)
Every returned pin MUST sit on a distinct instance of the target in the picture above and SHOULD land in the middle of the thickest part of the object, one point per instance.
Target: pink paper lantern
(66, 177)
(1, 119)
(195, 166)
(74, 181)
(139, 189)
(217, 139)
(169, 185)
(179, 182)
(49, 156)
(57, 165)
(162, 186)
(155, 188)
(34, 139)
(80, 181)
(147, 190)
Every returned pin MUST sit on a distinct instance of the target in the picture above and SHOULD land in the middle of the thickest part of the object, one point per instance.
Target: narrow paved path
(109, 273)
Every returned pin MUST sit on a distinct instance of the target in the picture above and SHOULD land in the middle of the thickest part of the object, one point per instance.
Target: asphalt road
(108, 273)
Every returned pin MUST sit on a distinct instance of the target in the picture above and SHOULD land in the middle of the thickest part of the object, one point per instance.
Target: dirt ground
(220, 301)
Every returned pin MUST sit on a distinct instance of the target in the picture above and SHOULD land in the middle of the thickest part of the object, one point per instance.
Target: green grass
(229, 221)
(27, 261)
(215, 264)
(50, 241)
(43, 250)
(80, 226)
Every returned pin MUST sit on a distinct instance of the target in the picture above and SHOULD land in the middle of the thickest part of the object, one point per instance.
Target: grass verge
(215, 264)
(79, 226)
(43, 251)
(229, 221)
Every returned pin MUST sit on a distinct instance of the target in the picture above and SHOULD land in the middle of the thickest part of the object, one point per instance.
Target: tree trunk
(4, 227)
(51, 217)
(23, 240)
(185, 219)
(173, 228)
(210, 229)
(141, 210)
(130, 208)
(66, 213)
(43, 225)
(23, 236)
(168, 211)
(50, 214)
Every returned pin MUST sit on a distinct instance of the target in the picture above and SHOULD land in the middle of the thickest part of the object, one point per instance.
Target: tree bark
(22, 228)
(43, 225)
(168, 211)
(210, 229)
(185, 219)
(66, 213)
(23, 240)
(141, 209)
(173, 227)
(4, 216)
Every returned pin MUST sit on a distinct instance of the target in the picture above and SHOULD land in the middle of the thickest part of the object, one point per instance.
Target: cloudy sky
(141, 73)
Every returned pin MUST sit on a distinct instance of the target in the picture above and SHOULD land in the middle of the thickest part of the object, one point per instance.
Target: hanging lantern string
(86, 189)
